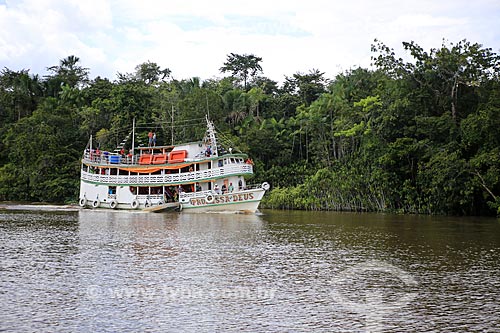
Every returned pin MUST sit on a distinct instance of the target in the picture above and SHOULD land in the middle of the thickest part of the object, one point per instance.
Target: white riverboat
(192, 177)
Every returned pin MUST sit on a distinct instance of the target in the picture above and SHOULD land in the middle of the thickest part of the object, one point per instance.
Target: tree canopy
(243, 67)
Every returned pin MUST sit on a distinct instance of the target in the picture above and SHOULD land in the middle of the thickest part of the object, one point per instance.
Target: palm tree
(68, 72)
(236, 104)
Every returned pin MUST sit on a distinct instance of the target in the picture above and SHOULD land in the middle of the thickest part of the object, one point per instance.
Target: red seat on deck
(160, 159)
(145, 159)
(177, 156)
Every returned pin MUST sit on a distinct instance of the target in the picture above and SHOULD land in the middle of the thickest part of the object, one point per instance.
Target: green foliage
(242, 67)
(43, 153)
(445, 184)
(412, 137)
(69, 73)
(308, 87)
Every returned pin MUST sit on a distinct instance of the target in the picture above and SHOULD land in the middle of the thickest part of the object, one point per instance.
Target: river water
(279, 271)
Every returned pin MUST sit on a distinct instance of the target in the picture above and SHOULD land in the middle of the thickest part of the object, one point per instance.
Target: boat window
(157, 190)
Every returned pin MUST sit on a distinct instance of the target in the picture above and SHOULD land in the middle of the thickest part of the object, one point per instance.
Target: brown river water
(76, 270)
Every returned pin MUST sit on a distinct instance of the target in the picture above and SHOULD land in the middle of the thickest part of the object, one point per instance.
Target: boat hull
(195, 177)
(244, 201)
(241, 202)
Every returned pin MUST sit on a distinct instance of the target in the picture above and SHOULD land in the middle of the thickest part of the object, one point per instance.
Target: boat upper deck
(155, 156)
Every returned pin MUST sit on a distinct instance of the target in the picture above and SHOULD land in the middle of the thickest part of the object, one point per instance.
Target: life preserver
(209, 198)
(83, 202)
(265, 186)
(134, 204)
(113, 204)
(148, 203)
(96, 203)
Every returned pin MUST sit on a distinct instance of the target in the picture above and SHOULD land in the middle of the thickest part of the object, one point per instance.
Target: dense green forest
(412, 136)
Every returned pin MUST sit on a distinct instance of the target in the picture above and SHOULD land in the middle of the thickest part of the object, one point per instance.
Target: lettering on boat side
(225, 198)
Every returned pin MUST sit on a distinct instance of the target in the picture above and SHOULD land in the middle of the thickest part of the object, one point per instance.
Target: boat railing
(169, 178)
(142, 197)
(189, 195)
(117, 159)
(253, 186)
(109, 158)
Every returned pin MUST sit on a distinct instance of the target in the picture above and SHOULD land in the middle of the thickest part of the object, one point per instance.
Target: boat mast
(211, 136)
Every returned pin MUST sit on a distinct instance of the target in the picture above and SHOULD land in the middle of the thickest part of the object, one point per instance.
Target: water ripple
(67, 271)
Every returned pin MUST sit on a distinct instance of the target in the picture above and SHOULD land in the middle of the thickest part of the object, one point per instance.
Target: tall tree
(148, 72)
(308, 86)
(69, 72)
(19, 94)
(242, 66)
(444, 72)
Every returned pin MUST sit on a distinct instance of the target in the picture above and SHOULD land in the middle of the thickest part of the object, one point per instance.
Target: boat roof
(155, 148)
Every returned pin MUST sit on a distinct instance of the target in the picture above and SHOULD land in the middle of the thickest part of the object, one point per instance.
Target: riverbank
(11, 205)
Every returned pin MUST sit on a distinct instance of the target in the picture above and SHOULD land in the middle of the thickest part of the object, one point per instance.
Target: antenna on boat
(133, 135)
(208, 109)
(172, 130)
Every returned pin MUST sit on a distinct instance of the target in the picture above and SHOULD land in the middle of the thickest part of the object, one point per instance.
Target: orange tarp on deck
(154, 168)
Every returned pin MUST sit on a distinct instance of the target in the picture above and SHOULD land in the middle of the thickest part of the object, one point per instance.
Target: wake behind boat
(192, 177)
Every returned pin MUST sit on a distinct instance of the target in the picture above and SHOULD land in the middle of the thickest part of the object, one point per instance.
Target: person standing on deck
(150, 136)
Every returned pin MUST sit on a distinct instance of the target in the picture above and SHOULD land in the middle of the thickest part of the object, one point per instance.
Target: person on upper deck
(150, 137)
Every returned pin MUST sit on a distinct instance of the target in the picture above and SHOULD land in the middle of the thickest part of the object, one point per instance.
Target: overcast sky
(194, 37)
